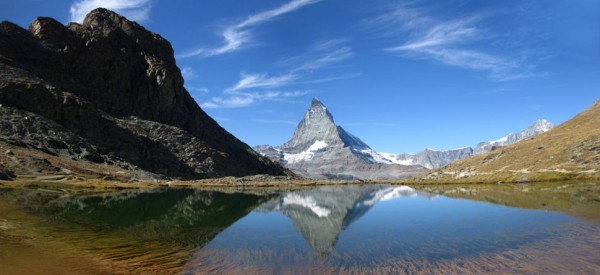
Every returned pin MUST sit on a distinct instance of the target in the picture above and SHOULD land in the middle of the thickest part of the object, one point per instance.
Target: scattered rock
(6, 174)
(9, 152)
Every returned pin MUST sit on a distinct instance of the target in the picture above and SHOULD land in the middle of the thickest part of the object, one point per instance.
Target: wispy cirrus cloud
(252, 88)
(249, 81)
(235, 36)
(237, 100)
(197, 90)
(325, 60)
(322, 55)
(442, 35)
(188, 73)
(462, 42)
(275, 121)
(137, 10)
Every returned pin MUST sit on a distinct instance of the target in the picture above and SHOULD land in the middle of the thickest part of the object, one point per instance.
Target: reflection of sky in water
(369, 228)
(371, 223)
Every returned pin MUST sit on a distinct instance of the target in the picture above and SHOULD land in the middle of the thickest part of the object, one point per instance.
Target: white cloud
(136, 10)
(202, 90)
(248, 81)
(442, 35)
(188, 73)
(240, 99)
(455, 42)
(237, 35)
(326, 60)
(296, 75)
(237, 95)
(276, 121)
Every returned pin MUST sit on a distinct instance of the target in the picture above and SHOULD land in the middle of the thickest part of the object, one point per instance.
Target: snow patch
(376, 156)
(393, 158)
(501, 140)
(305, 155)
(390, 194)
(306, 202)
(318, 145)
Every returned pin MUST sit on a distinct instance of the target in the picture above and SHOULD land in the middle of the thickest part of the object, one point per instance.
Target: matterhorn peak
(321, 149)
(316, 103)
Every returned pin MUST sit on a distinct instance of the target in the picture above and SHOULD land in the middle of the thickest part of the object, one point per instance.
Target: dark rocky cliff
(109, 91)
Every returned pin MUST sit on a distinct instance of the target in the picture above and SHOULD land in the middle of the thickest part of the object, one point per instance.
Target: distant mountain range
(321, 149)
(430, 158)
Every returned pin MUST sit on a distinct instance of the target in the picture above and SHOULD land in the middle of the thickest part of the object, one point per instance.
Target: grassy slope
(569, 151)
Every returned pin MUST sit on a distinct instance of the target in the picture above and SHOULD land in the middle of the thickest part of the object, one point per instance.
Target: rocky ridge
(109, 92)
(431, 159)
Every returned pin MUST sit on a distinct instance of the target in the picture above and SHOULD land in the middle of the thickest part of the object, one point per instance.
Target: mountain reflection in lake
(369, 228)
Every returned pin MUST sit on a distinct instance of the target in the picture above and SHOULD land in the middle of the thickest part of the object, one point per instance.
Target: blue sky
(401, 75)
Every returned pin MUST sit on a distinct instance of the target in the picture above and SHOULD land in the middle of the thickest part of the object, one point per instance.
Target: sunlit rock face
(321, 149)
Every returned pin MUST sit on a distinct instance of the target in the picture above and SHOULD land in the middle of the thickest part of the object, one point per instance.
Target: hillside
(568, 151)
(106, 96)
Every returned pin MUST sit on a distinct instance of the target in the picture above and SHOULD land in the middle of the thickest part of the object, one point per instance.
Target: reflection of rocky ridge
(180, 215)
(322, 214)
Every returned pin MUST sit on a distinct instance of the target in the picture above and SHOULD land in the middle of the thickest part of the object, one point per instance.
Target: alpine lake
(350, 229)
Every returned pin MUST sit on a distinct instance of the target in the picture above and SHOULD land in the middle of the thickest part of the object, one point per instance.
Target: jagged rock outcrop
(321, 149)
(109, 91)
(430, 158)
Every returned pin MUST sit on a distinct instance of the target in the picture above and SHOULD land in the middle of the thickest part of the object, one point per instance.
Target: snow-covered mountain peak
(318, 125)
(538, 127)
(541, 125)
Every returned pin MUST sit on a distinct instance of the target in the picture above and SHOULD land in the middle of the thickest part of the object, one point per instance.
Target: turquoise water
(371, 228)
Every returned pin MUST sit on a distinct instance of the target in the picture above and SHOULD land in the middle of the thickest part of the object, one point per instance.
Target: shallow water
(349, 229)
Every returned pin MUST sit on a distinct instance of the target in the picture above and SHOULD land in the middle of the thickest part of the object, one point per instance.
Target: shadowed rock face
(113, 91)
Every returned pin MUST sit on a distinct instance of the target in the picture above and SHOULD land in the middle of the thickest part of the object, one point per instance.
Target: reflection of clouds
(307, 202)
(390, 193)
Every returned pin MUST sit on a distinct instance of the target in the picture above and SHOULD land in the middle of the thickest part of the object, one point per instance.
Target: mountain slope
(321, 149)
(109, 92)
(570, 150)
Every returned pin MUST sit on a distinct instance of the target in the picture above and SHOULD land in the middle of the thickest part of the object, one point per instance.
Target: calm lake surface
(348, 229)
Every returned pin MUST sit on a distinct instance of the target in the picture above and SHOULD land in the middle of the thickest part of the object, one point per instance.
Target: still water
(348, 229)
